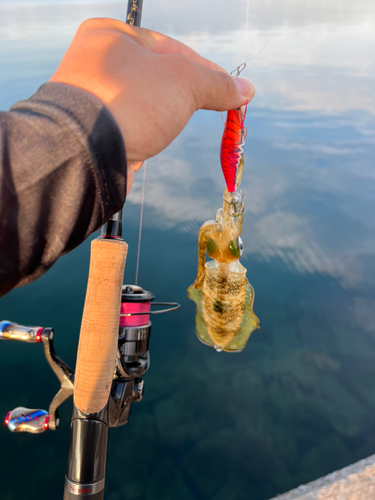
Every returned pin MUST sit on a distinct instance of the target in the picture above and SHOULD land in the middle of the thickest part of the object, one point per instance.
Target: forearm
(63, 173)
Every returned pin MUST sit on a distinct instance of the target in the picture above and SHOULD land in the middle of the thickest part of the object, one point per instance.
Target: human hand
(152, 84)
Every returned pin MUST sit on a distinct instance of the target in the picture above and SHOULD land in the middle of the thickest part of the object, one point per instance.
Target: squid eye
(240, 245)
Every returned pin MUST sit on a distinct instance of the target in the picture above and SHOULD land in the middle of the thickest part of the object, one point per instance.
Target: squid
(223, 295)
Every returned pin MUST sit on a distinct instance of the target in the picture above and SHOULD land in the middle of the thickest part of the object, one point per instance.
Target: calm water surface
(299, 402)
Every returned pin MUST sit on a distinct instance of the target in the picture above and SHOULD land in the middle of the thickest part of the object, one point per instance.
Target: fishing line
(144, 183)
(243, 65)
(140, 223)
(157, 14)
(259, 50)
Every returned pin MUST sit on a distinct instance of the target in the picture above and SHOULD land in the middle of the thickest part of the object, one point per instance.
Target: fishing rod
(113, 355)
(87, 456)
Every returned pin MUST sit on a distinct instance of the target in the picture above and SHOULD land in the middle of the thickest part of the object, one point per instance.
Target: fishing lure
(232, 143)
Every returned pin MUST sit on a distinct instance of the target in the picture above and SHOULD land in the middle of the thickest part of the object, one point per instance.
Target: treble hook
(239, 69)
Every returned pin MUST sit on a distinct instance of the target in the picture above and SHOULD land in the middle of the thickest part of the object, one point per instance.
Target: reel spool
(136, 302)
(135, 329)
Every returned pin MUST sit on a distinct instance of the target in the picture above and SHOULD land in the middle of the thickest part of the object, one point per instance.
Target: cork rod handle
(100, 322)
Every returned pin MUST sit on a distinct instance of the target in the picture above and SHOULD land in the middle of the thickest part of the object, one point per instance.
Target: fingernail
(137, 165)
(246, 87)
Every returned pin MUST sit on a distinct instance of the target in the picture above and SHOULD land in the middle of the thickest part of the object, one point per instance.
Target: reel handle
(26, 420)
(13, 331)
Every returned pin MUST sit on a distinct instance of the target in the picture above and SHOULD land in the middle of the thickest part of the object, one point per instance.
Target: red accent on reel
(38, 337)
(6, 421)
(46, 422)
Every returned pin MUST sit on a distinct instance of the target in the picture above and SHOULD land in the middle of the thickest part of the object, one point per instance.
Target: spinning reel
(132, 362)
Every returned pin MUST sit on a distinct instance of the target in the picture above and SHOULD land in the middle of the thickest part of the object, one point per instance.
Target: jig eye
(236, 198)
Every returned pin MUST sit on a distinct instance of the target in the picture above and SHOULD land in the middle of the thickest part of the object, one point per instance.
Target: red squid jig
(232, 143)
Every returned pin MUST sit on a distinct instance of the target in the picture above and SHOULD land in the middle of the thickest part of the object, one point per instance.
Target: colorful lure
(232, 143)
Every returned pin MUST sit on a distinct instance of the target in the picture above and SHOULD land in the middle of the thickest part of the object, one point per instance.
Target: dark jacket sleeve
(62, 175)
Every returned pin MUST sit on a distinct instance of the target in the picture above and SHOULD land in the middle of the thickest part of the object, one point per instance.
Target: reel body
(132, 362)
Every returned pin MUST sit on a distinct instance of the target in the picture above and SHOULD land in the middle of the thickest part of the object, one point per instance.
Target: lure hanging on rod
(221, 291)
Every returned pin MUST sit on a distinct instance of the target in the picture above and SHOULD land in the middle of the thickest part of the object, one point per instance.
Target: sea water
(299, 402)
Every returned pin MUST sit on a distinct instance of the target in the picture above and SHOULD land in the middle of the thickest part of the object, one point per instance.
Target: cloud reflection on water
(311, 124)
(308, 202)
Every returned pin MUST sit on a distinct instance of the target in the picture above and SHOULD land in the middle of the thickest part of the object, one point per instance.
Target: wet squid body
(221, 291)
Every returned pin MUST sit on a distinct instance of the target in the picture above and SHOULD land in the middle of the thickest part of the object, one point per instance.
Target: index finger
(152, 40)
(163, 44)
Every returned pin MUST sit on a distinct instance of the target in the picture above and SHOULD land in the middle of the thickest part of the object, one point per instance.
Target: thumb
(219, 91)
